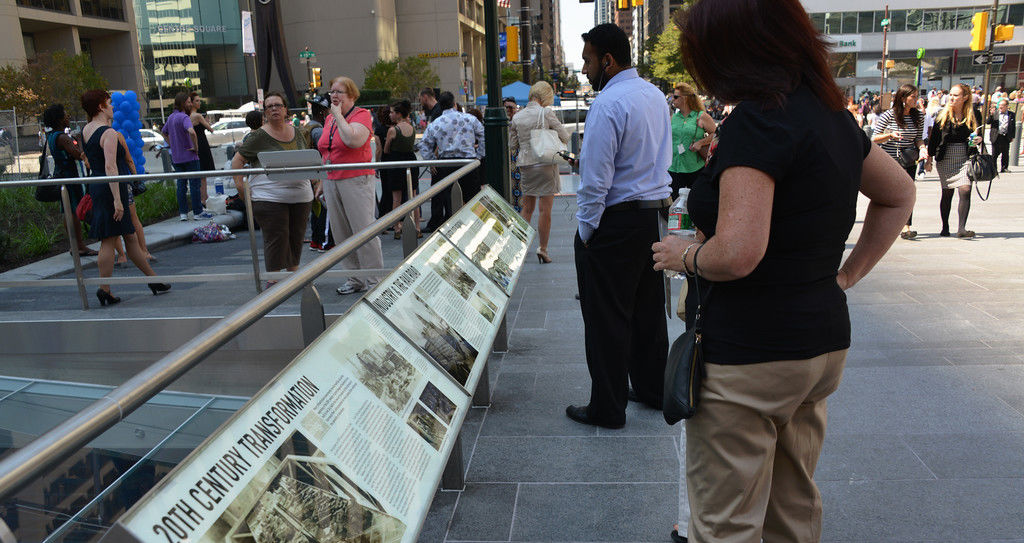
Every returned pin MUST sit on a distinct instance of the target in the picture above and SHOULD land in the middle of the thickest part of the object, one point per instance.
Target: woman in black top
(951, 141)
(774, 208)
(899, 132)
(65, 153)
(107, 153)
(399, 146)
(201, 125)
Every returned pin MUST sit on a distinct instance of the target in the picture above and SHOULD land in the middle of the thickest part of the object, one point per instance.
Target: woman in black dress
(201, 125)
(105, 150)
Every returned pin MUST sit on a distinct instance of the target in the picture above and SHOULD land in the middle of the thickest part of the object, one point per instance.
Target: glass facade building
(192, 45)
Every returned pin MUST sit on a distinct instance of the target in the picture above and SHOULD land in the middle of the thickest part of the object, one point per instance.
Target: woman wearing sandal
(539, 181)
(951, 141)
(111, 218)
(399, 146)
(898, 131)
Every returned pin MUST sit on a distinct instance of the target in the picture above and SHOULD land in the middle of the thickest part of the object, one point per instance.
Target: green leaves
(403, 78)
(51, 78)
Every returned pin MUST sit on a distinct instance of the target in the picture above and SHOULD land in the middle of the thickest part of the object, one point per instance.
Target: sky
(577, 18)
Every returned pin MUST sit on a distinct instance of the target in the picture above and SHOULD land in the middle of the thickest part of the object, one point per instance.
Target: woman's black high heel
(158, 288)
(106, 298)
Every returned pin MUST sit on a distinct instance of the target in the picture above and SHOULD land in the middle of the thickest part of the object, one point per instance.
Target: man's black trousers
(623, 303)
(1001, 149)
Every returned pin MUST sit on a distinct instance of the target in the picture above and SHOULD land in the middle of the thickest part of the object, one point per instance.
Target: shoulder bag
(981, 166)
(46, 193)
(544, 142)
(684, 369)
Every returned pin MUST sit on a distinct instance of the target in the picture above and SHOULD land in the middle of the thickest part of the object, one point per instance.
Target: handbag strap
(700, 304)
(542, 121)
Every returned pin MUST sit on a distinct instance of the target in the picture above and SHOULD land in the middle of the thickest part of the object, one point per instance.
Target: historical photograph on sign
(427, 426)
(301, 496)
(430, 332)
(436, 401)
(504, 213)
(487, 308)
(446, 265)
(381, 368)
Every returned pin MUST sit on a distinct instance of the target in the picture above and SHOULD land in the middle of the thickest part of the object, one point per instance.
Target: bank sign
(845, 43)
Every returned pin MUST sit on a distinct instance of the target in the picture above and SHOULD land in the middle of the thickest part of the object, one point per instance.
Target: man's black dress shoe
(579, 414)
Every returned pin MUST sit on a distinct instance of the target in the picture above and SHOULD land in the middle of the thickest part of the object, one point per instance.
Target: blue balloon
(119, 116)
(116, 98)
(130, 95)
(116, 125)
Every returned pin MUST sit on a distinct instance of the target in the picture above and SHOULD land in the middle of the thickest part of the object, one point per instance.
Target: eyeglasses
(273, 106)
(336, 92)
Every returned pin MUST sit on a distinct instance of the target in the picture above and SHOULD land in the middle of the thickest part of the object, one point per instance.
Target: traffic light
(315, 84)
(979, 31)
(627, 4)
(512, 44)
(1003, 33)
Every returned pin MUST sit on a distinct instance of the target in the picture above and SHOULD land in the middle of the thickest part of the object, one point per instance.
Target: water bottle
(218, 185)
(679, 223)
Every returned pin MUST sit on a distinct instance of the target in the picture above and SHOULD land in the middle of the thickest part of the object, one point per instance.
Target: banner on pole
(248, 44)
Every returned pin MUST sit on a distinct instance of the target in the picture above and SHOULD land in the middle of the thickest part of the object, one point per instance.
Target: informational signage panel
(490, 232)
(348, 443)
(446, 306)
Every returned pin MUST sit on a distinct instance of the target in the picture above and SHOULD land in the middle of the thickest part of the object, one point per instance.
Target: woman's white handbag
(545, 143)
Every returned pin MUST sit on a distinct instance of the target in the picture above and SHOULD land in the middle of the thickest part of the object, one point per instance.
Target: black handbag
(684, 370)
(907, 156)
(46, 193)
(981, 166)
(138, 187)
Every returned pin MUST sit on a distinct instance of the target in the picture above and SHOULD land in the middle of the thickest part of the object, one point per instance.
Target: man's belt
(664, 203)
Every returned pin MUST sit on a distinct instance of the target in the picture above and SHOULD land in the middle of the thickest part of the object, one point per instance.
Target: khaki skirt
(539, 180)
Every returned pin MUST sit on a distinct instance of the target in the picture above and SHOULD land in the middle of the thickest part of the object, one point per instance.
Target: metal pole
(495, 120)
(988, 68)
(524, 39)
(252, 241)
(32, 460)
(885, 52)
(75, 257)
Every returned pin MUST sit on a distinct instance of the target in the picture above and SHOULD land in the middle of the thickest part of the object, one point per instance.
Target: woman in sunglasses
(692, 132)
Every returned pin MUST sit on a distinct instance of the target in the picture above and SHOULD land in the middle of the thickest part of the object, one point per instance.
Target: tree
(51, 78)
(417, 74)
(401, 77)
(666, 63)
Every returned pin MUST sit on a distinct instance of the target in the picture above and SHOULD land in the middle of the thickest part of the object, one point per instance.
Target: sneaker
(183, 217)
(314, 246)
(328, 246)
(206, 215)
(349, 288)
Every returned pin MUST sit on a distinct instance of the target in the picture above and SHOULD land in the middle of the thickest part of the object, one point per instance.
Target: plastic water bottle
(218, 185)
(679, 223)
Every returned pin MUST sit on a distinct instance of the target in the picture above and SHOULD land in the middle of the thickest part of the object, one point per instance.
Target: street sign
(884, 23)
(920, 53)
(982, 59)
(307, 54)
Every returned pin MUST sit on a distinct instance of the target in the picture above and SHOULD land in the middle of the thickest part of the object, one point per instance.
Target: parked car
(150, 138)
(573, 117)
(229, 130)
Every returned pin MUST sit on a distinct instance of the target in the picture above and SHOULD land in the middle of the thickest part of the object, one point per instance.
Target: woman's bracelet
(686, 270)
(696, 268)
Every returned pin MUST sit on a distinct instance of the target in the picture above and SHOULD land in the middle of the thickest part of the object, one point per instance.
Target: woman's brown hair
(758, 50)
(93, 100)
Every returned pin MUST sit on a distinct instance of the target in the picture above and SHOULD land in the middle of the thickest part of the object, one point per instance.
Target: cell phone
(569, 157)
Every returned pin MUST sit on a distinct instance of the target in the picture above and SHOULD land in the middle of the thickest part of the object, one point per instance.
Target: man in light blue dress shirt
(624, 189)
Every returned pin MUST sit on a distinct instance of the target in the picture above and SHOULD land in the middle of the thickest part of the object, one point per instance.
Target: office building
(105, 29)
(941, 27)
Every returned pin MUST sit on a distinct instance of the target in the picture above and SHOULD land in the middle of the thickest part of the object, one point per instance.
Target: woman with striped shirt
(898, 131)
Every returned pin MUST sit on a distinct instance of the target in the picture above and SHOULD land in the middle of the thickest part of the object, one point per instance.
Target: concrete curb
(157, 235)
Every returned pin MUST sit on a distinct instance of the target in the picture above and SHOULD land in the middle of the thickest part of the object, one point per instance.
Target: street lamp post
(465, 76)
(495, 121)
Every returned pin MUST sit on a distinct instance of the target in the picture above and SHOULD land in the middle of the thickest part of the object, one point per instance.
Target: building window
(866, 22)
(55, 5)
(30, 46)
(833, 23)
(1015, 15)
(106, 9)
(930, 21)
(915, 18)
(898, 20)
(818, 20)
(850, 22)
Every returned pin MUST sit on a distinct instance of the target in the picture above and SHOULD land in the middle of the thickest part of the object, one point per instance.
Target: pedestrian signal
(979, 31)
(1003, 33)
(315, 84)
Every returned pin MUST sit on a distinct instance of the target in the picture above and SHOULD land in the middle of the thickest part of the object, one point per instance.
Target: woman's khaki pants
(752, 448)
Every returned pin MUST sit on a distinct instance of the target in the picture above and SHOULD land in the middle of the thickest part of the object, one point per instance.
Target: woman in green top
(692, 130)
(280, 207)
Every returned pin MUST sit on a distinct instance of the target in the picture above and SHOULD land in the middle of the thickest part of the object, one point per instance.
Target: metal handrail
(36, 458)
(225, 173)
(81, 282)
